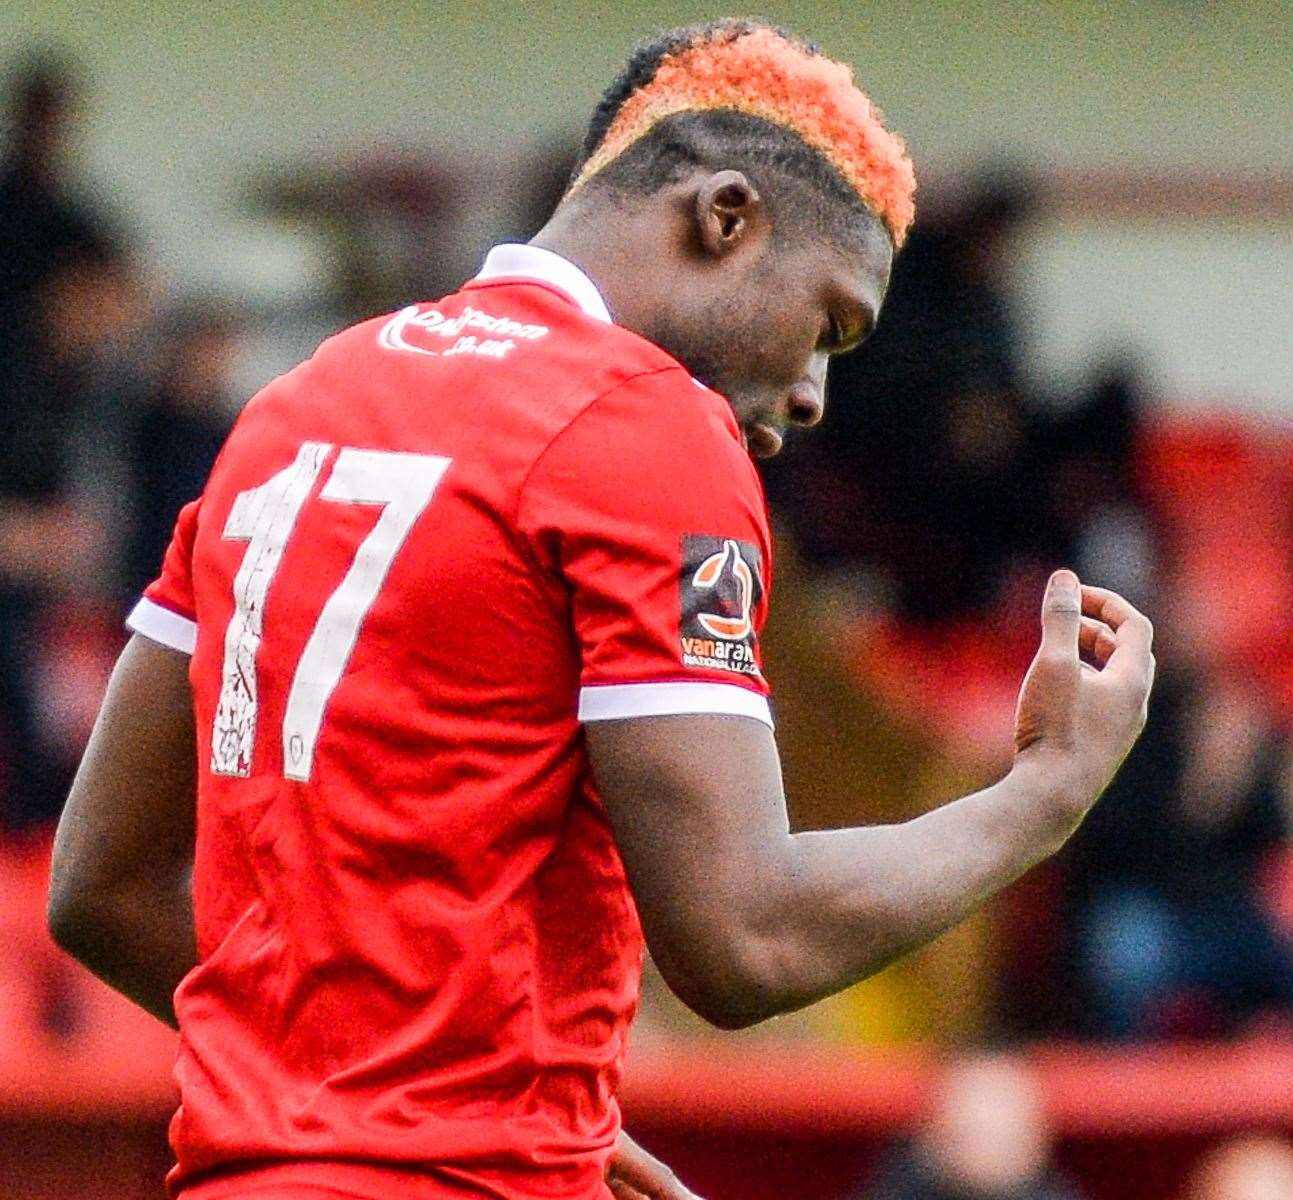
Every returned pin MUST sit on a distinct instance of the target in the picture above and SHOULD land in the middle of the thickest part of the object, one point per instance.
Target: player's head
(777, 198)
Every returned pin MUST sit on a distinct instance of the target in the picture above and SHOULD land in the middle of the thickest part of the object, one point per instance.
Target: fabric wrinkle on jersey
(423, 557)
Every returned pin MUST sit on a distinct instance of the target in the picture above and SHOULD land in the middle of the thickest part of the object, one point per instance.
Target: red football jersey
(423, 557)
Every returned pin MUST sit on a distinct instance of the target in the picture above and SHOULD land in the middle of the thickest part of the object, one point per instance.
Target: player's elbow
(731, 981)
(723, 1008)
(91, 924)
(740, 1011)
(72, 915)
(81, 908)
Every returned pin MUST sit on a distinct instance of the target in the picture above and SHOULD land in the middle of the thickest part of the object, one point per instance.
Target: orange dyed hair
(760, 71)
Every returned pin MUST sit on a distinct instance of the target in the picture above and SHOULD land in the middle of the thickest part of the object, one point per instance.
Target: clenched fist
(1076, 722)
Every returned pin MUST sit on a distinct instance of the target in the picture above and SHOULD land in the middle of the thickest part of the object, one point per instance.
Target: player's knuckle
(1049, 671)
(1137, 700)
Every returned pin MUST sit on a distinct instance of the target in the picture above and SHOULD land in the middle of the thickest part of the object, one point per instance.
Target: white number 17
(264, 518)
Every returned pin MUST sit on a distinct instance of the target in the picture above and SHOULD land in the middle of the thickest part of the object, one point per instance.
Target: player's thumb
(1061, 616)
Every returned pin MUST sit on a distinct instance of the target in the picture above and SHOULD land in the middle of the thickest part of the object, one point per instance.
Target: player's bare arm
(119, 896)
(747, 920)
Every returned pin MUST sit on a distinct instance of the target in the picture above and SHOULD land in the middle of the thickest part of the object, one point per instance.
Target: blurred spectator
(1170, 934)
(66, 393)
(392, 222)
(1258, 1168)
(41, 224)
(179, 430)
(1091, 509)
(988, 1139)
(68, 301)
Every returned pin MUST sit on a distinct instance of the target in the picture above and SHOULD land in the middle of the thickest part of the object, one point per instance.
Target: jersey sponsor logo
(720, 588)
(415, 332)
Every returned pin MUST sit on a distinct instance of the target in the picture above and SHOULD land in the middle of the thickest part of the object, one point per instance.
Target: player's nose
(806, 404)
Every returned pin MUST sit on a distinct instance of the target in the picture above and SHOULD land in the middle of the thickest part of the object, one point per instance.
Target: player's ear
(728, 210)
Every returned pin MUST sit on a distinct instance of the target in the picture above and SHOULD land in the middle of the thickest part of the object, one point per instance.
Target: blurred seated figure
(179, 430)
(1170, 935)
(987, 1139)
(1253, 1168)
(541, 175)
(391, 222)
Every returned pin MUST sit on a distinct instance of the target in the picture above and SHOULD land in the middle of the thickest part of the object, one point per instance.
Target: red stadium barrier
(1098, 1091)
(738, 1119)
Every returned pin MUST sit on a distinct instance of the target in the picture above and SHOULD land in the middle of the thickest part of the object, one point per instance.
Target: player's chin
(762, 440)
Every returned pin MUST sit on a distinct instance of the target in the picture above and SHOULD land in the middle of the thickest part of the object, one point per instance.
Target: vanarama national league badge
(720, 588)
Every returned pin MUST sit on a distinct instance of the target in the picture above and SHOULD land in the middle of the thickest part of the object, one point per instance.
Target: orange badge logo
(709, 575)
(721, 588)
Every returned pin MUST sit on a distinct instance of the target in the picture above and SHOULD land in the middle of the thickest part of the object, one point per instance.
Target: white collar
(546, 266)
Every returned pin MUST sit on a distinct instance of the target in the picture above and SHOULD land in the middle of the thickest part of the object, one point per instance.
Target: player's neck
(610, 256)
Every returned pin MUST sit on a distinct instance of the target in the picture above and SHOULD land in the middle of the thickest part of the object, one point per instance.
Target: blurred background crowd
(960, 461)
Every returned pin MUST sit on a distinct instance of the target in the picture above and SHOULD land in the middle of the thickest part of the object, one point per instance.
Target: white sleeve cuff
(162, 625)
(612, 701)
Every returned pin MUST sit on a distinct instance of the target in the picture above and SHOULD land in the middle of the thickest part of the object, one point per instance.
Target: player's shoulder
(559, 360)
(655, 439)
(662, 405)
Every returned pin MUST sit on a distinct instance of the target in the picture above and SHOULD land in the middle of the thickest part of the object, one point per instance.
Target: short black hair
(811, 186)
